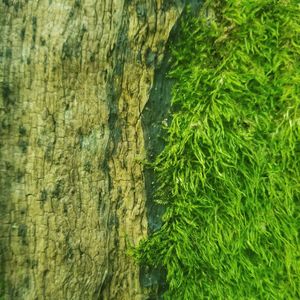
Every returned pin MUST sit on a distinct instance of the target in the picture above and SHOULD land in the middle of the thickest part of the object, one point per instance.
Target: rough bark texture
(75, 77)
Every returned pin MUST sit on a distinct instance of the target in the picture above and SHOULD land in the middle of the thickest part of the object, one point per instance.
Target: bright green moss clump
(230, 173)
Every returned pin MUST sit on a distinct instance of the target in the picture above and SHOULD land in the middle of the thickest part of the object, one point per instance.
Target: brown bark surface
(74, 79)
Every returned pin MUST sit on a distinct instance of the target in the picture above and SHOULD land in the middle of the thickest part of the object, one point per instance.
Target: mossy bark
(75, 77)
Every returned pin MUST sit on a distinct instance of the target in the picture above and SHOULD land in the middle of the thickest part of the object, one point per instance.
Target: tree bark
(75, 77)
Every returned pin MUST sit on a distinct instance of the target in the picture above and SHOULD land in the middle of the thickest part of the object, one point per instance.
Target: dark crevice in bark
(118, 56)
(114, 93)
(155, 116)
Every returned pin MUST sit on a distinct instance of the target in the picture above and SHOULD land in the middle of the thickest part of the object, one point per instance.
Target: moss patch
(229, 174)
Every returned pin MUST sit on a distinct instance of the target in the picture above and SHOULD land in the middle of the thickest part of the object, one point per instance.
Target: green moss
(229, 174)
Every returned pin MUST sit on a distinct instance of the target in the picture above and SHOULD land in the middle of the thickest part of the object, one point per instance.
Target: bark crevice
(155, 117)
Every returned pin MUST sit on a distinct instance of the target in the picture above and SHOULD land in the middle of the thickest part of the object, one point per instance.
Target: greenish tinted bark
(75, 77)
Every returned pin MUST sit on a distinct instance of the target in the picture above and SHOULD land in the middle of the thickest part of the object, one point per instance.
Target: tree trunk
(75, 77)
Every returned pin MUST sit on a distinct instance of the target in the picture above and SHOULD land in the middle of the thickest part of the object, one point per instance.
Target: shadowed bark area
(75, 77)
